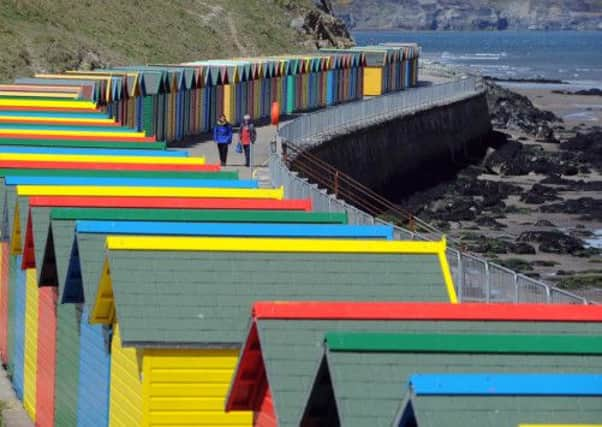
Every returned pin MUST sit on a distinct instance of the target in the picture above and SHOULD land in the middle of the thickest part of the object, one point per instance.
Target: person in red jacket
(247, 136)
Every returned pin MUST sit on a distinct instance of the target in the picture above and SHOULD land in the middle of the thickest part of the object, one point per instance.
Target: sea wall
(411, 152)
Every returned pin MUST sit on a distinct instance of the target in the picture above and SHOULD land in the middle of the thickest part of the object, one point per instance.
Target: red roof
(168, 202)
(427, 311)
(250, 381)
(26, 164)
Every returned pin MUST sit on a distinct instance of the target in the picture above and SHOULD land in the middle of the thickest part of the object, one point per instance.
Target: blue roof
(92, 151)
(54, 114)
(129, 182)
(235, 229)
(507, 384)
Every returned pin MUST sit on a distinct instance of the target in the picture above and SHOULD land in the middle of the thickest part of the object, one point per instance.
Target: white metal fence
(322, 125)
(475, 278)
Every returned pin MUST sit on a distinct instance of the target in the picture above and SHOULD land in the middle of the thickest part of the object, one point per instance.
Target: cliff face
(48, 36)
(470, 14)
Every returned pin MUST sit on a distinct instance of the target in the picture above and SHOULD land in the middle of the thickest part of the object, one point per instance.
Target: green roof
(199, 215)
(368, 387)
(464, 343)
(503, 411)
(205, 297)
(90, 247)
(291, 349)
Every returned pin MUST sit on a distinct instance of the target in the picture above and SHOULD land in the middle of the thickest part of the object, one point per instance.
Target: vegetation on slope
(54, 35)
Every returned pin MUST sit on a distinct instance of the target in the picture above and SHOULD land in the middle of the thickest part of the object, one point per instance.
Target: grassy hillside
(53, 35)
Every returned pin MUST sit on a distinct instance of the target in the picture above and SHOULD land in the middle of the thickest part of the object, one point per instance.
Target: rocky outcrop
(470, 14)
(324, 28)
(512, 111)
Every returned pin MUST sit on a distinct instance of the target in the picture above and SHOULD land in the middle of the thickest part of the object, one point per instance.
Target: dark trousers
(223, 153)
(247, 150)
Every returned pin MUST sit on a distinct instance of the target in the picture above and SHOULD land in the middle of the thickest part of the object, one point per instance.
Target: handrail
(349, 189)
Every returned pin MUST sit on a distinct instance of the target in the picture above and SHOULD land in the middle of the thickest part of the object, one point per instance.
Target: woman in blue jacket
(222, 135)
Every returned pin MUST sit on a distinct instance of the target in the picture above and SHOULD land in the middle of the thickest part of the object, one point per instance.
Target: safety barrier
(475, 278)
(322, 125)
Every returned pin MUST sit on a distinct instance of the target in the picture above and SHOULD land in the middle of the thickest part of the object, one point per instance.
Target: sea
(573, 57)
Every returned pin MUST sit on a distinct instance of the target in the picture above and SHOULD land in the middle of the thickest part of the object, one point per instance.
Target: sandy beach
(581, 111)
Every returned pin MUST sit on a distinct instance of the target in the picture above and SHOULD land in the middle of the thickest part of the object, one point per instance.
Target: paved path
(204, 146)
(13, 414)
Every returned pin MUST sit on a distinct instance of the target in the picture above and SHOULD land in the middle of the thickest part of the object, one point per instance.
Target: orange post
(275, 116)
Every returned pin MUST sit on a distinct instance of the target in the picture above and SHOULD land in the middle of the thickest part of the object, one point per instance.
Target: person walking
(222, 135)
(247, 136)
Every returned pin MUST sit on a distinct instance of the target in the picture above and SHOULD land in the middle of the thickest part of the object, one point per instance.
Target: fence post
(284, 151)
(548, 294)
(460, 277)
(515, 278)
(336, 183)
(487, 282)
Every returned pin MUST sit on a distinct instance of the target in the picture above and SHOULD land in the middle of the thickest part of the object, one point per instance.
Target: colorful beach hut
(364, 377)
(282, 347)
(216, 280)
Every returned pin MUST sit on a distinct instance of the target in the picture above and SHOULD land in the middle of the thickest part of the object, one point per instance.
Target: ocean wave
(583, 116)
(477, 56)
(595, 241)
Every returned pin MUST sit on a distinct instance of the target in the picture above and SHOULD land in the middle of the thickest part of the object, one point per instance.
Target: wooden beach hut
(353, 363)
(282, 347)
(213, 311)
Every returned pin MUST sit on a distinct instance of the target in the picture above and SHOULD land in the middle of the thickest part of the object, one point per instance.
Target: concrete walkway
(13, 413)
(204, 146)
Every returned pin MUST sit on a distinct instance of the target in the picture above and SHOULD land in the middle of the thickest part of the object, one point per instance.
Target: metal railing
(322, 125)
(475, 278)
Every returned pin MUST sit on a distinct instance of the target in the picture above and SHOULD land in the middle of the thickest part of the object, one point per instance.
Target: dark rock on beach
(535, 80)
(487, 245)
(588, 207)
(554, 242)
(584, 92)
(515, 158)
(487, 221)
(464, 199)
(588, 146)
(539, 194)
(512, 111)
(564, 184)
(523, 248)
(544, 223)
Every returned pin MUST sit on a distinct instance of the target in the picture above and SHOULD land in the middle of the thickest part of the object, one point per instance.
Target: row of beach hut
(138, 288)
(389, 67)
(171, 102)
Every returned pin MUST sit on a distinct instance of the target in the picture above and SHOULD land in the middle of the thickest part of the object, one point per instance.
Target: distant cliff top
(470, 14)
(54, 35)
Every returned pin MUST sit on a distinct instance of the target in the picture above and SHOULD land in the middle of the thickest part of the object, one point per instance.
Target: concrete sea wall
(400, 155)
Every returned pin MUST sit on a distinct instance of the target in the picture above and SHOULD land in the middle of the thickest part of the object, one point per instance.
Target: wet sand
(575, 110)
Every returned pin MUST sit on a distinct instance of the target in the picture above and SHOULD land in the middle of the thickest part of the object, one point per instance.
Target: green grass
(54, 35)
(581, 281)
